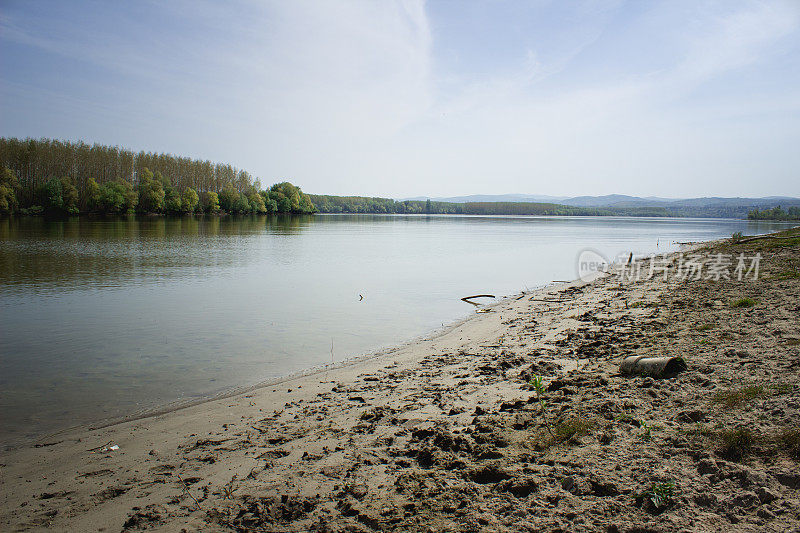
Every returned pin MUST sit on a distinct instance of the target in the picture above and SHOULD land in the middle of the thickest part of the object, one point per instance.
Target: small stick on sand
(187, 491)
(100, 447)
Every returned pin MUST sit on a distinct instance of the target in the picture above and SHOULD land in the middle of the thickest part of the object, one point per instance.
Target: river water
(101, 318)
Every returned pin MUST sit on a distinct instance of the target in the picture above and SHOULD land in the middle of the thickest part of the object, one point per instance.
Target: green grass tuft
(737, 443)
(736, 397)
(566, 430)
(743, 302)
(789, 440)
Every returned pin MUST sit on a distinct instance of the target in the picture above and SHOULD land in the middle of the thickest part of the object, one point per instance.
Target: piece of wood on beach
(468, 298)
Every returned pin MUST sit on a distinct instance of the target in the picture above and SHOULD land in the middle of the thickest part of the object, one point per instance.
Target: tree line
(776, 213)
(51, 176)
(362, 204)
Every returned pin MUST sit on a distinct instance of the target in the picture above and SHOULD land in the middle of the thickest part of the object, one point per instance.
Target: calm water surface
(106, 317)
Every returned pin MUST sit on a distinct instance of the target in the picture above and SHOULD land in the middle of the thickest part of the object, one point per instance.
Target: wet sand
(447, 434)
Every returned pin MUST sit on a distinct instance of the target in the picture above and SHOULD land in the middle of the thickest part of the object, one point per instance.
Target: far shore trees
(53, 177)
(776, 213)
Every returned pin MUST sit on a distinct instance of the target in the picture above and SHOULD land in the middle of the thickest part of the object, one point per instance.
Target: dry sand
(446, 434)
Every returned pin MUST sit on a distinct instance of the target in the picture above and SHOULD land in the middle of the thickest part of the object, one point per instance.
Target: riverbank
(447, 433)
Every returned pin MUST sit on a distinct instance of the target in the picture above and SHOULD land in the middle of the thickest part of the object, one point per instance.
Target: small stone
(603, 489)
(765, 513)
(766, 495)
(519, 487)
(691, 416)
(358, 491)
(707, 466)
(706, 500)
(745, 500)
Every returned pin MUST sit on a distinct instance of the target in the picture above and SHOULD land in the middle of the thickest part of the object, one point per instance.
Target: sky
(414, 98)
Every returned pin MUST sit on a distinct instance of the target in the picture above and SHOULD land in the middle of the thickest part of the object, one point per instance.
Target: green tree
(284, 205)
(112, 198)
(131, 198)
(70, 195)
(227, 199)
(241, 204)
(92, 198)
(189, 200)
(8, 185)
(151, 192)
(211, 202)
(270, 205)
(172, 201)
(256, 202)
(50, 196)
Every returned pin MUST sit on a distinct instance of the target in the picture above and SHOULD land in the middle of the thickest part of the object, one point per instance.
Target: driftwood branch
(468, 298)
(186, 488)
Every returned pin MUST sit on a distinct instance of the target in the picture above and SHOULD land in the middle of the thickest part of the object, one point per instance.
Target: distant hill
(681, 207)
(492, 198)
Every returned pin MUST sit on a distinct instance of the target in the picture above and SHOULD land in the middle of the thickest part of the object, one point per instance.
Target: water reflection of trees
(82, 252)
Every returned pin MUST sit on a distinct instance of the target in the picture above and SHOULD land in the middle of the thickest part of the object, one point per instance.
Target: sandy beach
(449, 434)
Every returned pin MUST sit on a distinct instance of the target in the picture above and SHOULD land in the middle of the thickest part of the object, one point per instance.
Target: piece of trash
(112, 448)
(657, 367)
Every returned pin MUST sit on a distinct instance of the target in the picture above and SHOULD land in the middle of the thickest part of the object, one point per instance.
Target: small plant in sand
(646, 430)
(743, 302)
(229, 489)
(627, 418)
(658, 496)
(571, 427)
(737, 443)
(737, 236)
(538, 386)
(789, 440)
(227, 492)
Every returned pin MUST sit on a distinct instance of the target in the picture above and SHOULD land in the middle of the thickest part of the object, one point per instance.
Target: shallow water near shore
(101, 318)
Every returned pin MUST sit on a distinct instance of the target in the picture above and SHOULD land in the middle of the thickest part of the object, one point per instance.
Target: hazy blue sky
(673, 98)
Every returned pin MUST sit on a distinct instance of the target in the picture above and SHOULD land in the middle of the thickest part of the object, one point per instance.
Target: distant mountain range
(621, 200)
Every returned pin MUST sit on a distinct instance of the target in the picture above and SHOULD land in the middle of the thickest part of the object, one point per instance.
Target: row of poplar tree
(50, 176)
